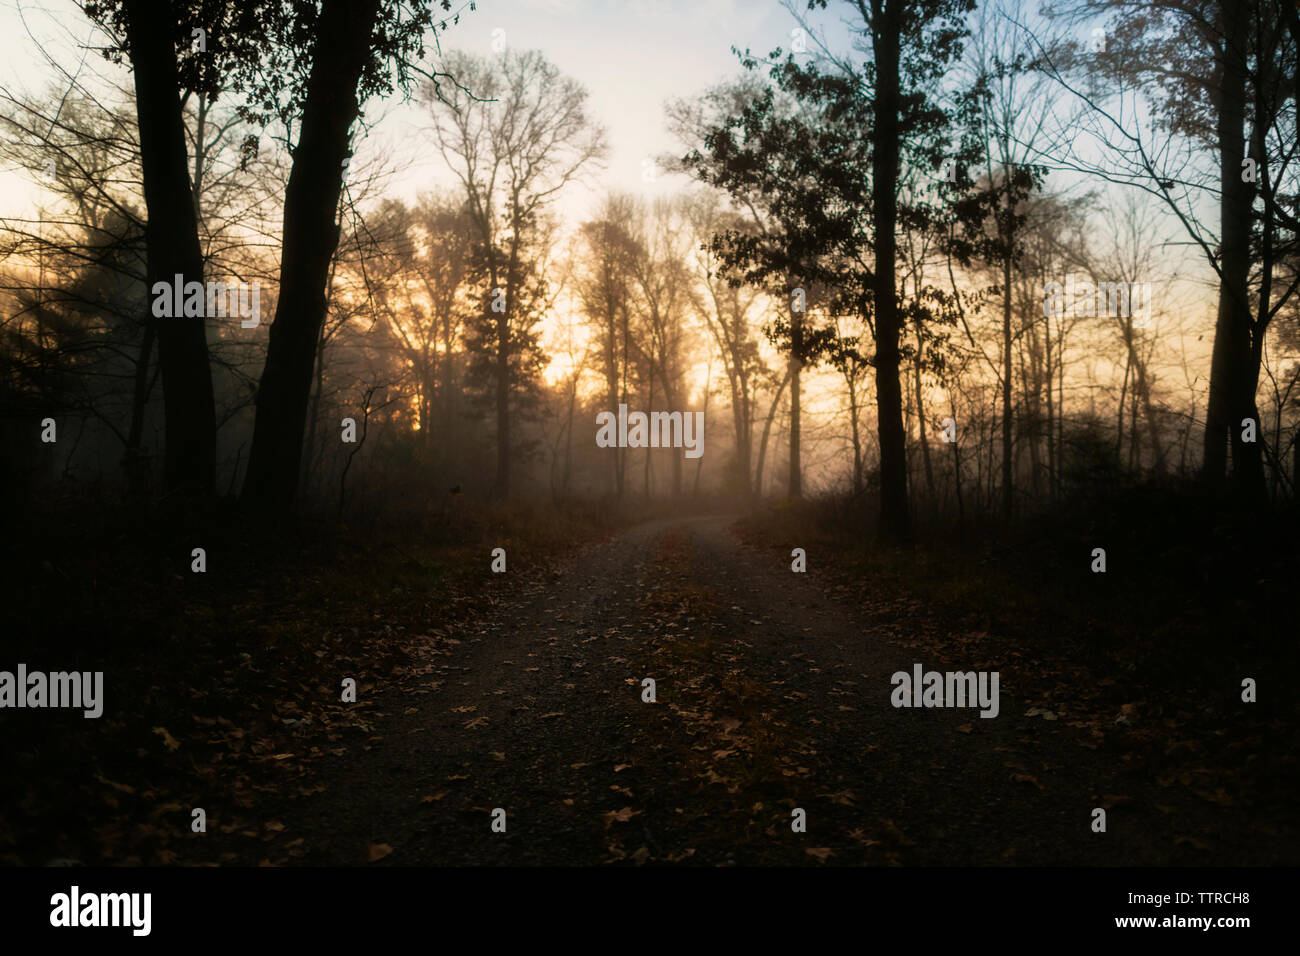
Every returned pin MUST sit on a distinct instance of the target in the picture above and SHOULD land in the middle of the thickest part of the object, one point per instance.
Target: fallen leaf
(116, 786)
(379, 850)
(1026, 778)
(844, 797)
(1218, 796)
(168, 740)
(822, 853)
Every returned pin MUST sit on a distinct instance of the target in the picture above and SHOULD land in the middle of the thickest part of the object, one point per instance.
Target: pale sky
(632, 55)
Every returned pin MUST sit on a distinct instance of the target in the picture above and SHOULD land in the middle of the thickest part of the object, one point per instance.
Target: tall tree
(515, 133)
(311, 66)
(1006, 124)
(604, 287)
(830, 161)
(1217, 74)
(730, 314)
(153, 44)
(912, 44)
(358, 49)
(661, 287)
(774, 160)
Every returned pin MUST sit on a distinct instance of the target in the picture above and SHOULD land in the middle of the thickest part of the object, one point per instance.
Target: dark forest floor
(522, 691)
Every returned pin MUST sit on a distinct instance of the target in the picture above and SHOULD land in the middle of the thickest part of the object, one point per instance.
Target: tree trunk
(699, 462)
(318, 386)
(956, 470)
(1008, 486)
(920, 418)
(1051, 413)
(132, 460)
(855, 432)
(650, 404)
(895, 518)
(1232, 384)
(311, 235)
(502, 489)
(1119, 415)
(1143, 385)
(621, 457)
(172, 247)
(568, 448)
(611, 387)
(795, 486)
(741, 422)
(767, 429)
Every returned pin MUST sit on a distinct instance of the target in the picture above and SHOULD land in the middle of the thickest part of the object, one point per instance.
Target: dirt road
(770, 697)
